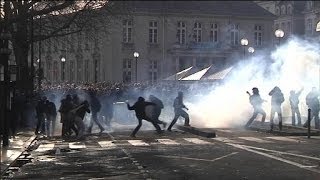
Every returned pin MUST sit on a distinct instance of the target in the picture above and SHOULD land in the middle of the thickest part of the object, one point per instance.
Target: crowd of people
(277, 98)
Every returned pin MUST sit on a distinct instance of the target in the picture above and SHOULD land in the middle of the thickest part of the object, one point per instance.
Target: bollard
(309, 119)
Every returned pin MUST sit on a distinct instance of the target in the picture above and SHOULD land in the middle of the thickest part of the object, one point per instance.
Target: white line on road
(167, 142)
(77, 145)
(279, 138)
(197, 159)
(107, 144)
(255, 139)
(280, 152)
(138, 143)
(309, 168)
(45, 147)
(196, 141)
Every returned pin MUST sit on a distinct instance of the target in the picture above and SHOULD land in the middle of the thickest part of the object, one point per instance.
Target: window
(127, 31)
(153, 32)
(309, 27)
(49, 70)
(289, 28)
(309, 5)
(79, 67)
(289, 9)
(181, 32)
(214, 33)
(197, 30)
(153, 71)
(86, 70)
(55, 70)
(1, 72)
(283, 10)
(126, 71)
(258, 35)
(234, 34)
(277, 11)
(71, 71)
(276, 26)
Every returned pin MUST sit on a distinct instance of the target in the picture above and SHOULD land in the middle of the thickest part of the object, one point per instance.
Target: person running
(95, 108)
(178, 111)
(139, 108)
(256, 101)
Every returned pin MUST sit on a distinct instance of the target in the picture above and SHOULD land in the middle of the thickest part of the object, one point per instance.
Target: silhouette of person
(313, 103)
(95, 108)
(80, 112)
(256, 101)
(276, 100)
(139, 108)
(294, 103)
(157, 110)
(178, 111)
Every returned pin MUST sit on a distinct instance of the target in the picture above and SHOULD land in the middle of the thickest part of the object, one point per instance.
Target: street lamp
(244, 42)
(279, 34)
(251, 50)
(136, 55)
(63, 60)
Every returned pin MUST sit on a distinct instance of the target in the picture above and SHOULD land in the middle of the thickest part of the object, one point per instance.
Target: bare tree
(32, 21)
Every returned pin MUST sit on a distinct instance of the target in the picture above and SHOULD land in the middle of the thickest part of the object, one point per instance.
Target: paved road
(233, 154)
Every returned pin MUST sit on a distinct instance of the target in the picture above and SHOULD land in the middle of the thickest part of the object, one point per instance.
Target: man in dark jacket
(139, 108)
(256, 101)
(65, 107)
(41, 115)
(95, 108)
(79, 113)
(157, 110)
(276, 100)
(51, 117)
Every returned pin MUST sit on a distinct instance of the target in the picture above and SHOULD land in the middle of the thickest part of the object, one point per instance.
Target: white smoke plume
(291, 66)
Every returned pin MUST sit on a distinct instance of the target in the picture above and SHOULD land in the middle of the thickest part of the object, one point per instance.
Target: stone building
(168, 35)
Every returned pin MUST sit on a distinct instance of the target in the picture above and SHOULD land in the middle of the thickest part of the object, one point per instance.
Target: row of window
(197, 32)
(76, 71)
(285, 10)
(127, 71)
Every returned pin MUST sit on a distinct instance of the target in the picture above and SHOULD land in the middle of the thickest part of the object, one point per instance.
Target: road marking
(198, 159)
(196, 141)
(45, 147)
(107, 144)
(138, 143)
(281, 152)
(77, 145)
(309, 168)
(255, 139)
(225, 130)
(167, 142)
(226, 140)
(279, 138)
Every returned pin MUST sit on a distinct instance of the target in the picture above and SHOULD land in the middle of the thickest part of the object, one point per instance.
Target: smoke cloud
(291, 66)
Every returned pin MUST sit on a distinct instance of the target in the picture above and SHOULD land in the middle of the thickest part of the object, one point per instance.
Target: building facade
(169, 37)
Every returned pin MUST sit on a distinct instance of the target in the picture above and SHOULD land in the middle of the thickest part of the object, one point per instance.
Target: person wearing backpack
(277, 99)
(256, 102)
(95, 108)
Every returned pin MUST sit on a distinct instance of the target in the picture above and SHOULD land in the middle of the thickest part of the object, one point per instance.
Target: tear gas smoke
(291, 66)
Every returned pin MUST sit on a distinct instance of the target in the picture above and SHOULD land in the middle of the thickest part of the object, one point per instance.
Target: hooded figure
(294, 103)
(313, 104)
(139, 108)
(178, 111)
(276, 100)
(156, 110)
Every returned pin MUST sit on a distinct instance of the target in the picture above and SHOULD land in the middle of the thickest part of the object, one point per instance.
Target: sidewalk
(287, 129)
(16, 146)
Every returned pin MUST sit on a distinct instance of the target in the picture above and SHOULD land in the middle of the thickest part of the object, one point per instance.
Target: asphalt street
(233, 154)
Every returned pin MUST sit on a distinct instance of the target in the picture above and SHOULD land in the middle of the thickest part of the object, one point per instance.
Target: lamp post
(318, 30)
(251, 50)
(244, 42)
(136, 55)
(279, 34)
(63, 60)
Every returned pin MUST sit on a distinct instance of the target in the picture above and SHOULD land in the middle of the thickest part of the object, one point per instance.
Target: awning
(196, 76)
(219, 75)
(179, 75)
